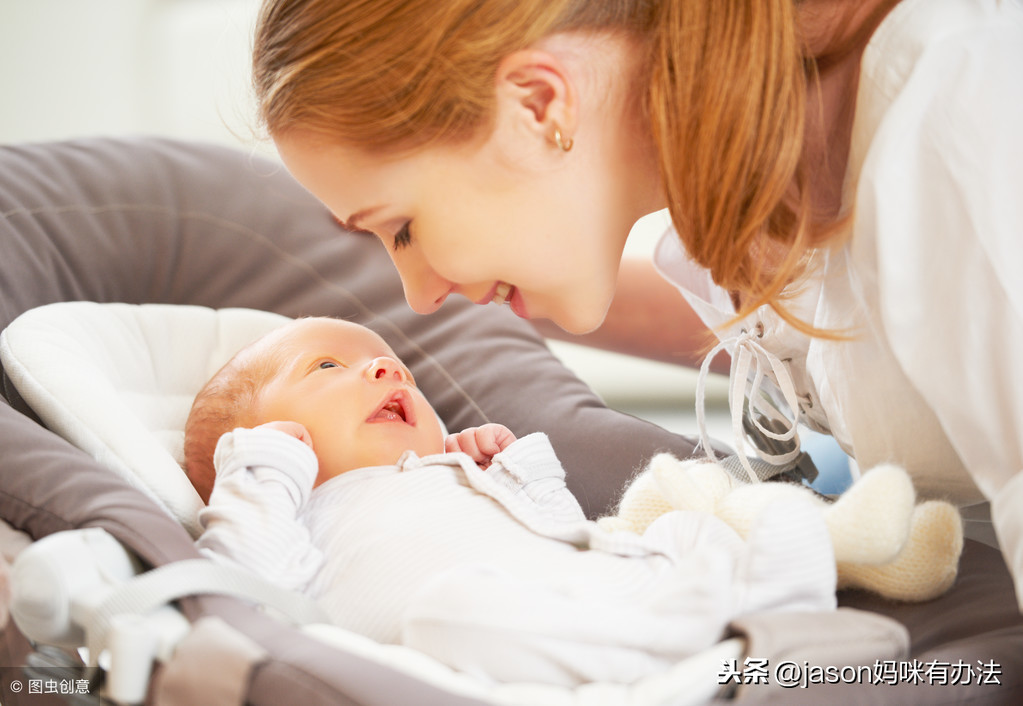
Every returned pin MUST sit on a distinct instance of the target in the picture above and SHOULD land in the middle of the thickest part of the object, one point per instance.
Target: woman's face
(539, 228)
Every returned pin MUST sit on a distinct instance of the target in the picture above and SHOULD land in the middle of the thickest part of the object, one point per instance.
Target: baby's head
(338, 379)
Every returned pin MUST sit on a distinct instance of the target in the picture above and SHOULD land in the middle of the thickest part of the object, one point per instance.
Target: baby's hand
(292, 429)
(481, 443)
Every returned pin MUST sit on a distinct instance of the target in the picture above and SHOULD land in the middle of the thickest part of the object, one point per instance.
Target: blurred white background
(179, 68)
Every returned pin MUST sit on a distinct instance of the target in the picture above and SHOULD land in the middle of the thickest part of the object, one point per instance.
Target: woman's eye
(328, 364)
(403, 238)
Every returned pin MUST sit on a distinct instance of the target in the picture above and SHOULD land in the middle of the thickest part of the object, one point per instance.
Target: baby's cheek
(437, 443)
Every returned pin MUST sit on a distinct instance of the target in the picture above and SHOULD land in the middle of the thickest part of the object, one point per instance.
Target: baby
(327, 471)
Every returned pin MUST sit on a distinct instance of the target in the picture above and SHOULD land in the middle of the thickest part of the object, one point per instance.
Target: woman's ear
(536, 94)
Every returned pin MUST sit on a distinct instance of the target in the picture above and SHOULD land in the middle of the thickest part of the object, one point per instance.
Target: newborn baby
(331, 475)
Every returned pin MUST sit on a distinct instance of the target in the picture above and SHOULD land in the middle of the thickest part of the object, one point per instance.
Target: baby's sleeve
(530, 468)
(264, 478)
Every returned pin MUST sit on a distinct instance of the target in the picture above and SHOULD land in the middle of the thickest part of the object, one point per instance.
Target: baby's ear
(294, 429)
(202, 481)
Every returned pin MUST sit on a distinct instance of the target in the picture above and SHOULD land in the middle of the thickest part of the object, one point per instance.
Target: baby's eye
(328, 364)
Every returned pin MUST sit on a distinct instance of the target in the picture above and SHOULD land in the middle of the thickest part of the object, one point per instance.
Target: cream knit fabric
(881, 540)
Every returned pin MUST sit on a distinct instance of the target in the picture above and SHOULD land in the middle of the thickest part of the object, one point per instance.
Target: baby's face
(348, 388)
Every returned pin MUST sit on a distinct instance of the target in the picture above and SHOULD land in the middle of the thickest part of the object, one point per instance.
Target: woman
(843, 177)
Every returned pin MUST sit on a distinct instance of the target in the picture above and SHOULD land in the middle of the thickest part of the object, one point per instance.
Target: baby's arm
(480, 443)
(264, 477)
(530, 469)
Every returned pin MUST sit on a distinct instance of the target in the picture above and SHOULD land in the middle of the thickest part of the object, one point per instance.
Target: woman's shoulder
(935, 74)
(916, 27)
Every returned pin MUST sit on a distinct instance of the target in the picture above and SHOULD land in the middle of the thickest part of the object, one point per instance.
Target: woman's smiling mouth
(502, 294)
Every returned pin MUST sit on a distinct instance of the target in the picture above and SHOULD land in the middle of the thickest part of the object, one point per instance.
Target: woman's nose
(426, 296)
(384, 368)
(425, 290)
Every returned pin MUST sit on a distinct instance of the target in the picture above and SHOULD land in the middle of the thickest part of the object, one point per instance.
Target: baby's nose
(384, 368)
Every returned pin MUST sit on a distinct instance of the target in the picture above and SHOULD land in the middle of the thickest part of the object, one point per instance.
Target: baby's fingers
(465, 442)
(487, 440)
(292, 429)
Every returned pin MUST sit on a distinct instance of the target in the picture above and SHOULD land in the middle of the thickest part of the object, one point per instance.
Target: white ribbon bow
(748, 352)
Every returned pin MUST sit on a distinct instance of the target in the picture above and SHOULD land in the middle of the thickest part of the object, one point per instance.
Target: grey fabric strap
(798, 469)
(187, 680)
(801, 467)
(158, 587)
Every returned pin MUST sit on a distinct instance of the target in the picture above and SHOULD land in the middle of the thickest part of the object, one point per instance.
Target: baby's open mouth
(397, 407)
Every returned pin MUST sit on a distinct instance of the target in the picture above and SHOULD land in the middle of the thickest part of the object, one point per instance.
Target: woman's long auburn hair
(726, 101)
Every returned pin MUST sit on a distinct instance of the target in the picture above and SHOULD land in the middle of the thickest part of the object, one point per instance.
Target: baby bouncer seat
(204, 230)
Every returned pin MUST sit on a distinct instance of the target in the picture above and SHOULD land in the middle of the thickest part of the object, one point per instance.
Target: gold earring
(563, 143)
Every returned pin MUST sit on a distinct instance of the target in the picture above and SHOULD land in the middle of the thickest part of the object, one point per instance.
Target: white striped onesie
(497, 572)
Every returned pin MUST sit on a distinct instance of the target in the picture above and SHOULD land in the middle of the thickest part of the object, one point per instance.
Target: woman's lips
(396, 407)
(518, 303)
(503, 293)
(490, 296)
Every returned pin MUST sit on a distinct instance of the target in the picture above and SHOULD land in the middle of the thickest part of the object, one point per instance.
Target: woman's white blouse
(930, 283)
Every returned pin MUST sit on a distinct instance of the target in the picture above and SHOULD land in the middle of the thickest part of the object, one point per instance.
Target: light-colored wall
(179, 68)
(86, 67)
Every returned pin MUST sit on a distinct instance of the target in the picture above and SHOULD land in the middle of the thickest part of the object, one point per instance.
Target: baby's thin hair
(229, 400)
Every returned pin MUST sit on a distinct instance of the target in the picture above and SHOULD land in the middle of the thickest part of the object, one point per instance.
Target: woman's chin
(580, 322)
